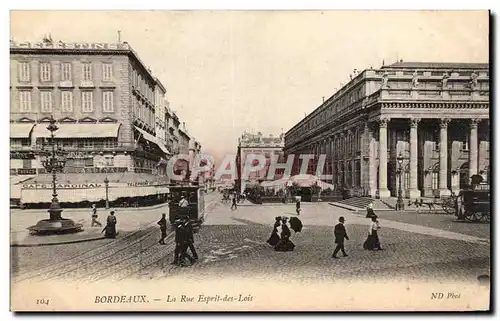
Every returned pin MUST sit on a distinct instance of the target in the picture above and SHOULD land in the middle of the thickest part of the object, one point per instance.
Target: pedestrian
(95, 222)
(163, 228)
(234, 203)
(372, 241)
(178, 240)
(297, 207)
(110, 227)
(274, 238)
(340, 234)
(190, 239)
(284, 244)
(369, 211)
(183, 202)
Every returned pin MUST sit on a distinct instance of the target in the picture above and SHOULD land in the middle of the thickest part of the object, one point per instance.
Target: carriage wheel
(449, 206)
(472, 216)
(485, 217)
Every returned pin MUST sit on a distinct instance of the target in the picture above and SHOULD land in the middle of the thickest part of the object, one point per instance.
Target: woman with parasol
(275, 238)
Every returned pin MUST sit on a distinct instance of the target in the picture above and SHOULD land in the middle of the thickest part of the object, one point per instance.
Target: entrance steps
(360, 203)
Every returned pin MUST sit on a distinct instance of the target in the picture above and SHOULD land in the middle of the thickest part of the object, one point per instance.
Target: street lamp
(54, 161)
(106, 184)
(400, 204)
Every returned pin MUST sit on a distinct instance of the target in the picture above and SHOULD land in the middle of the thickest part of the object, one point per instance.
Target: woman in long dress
(284, 244)
(372, 242)
(110, 227)
(275, 238)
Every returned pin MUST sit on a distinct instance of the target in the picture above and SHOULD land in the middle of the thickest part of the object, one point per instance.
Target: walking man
(94, 222)
(340, 234)
(190, 239)
(163, 228)
(234, 204)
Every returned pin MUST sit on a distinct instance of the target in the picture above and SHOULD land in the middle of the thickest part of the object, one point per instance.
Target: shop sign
(69, 45)
(62, 186)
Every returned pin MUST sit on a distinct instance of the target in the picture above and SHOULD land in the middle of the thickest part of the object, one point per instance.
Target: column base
(428, 192)
(444, 192)
(384, 193)
(414, 194)
(455, 190)
(372, 192)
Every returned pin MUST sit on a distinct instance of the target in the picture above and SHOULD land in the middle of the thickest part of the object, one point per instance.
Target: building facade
(102, 97)
(257, 144)
(433, 116)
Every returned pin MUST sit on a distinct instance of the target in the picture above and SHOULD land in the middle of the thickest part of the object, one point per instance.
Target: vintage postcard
(250, 161)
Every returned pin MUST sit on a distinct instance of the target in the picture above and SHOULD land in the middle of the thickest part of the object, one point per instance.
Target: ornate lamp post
(400, 204)
(106, 184)
(54, 161)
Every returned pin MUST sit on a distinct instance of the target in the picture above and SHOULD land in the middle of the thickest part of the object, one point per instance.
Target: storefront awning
(20, 130)
(78, 130)
(147, 136)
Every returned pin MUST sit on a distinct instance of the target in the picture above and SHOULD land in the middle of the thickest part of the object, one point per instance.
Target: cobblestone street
(232, 243)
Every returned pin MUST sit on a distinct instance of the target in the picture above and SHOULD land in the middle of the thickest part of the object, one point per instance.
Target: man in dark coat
(340, 234)
(163, 228)
(181, 240)
(190, 239)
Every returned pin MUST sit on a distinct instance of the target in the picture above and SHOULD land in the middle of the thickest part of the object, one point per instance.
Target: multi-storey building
(102, 97)
(433, 116)
(258, 145)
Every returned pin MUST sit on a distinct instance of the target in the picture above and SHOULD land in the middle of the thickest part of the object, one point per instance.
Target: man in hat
(183, 202)
(340, 234)
(163, 228)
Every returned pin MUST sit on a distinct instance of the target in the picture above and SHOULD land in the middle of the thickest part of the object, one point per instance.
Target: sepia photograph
(250, 160)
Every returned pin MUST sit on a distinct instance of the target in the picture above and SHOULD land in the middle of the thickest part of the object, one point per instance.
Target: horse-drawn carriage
(473, 204)
(195, 211)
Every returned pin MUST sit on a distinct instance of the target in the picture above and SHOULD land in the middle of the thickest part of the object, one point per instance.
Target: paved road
(233, 243)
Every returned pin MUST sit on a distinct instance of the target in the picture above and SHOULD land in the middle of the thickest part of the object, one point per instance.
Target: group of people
(280, 236)
(184, 240)
(110, 228)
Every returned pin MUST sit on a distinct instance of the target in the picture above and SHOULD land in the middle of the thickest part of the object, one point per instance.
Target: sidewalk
(127, 220)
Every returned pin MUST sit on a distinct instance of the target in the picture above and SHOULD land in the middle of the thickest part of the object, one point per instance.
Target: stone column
(443, 158)
(372, 163)
(473, 147)
(414, 192)
(383, 192)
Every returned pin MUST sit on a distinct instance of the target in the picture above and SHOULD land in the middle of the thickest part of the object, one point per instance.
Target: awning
(78, 130)
(20, 130)
(147, 136)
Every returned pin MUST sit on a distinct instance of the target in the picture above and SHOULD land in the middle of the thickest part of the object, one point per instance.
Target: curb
(87, 210)
(57, 243)
(346, 207)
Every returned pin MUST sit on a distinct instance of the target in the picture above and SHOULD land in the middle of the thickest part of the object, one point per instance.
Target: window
(46, 101)
(87, 71)
(66, 71)
(465, 143)
(107, 101)
(24, 71)
(89, 162)
(45, 71)
(87, 102)
(25, 101)
(109, 143)
(435, 180)
(107, 71)
(67, 101)
(88, 143)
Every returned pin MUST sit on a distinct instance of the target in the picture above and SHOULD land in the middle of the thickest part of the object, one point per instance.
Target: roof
(20, 130)
(437, 65)
(78, 130)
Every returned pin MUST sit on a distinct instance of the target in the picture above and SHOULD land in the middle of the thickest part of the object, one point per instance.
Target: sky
(227, 72)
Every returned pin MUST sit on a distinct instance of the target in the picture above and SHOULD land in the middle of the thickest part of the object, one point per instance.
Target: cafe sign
(62, 186)
(69, 45)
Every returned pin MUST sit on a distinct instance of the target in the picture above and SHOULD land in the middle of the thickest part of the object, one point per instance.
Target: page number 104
(42, 301)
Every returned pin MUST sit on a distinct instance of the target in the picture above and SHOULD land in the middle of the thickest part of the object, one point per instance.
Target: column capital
(443, 123)
(475, 122)
(383, 121)
(414, 122)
